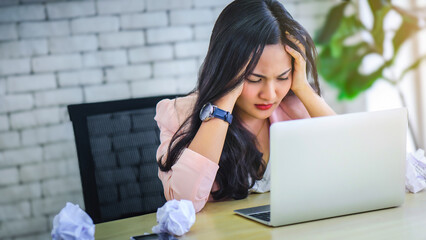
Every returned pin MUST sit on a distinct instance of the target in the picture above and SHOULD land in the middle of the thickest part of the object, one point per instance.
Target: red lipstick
(263, 106)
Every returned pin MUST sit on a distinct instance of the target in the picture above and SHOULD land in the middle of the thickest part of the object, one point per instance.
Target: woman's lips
(263, 106)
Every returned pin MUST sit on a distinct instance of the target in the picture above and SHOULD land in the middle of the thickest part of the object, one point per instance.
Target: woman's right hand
(227, 102)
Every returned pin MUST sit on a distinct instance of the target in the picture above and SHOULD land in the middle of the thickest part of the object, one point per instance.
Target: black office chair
(116, 147)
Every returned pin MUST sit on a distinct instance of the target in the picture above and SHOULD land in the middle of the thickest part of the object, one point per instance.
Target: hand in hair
(300, 80)
(315, 105)
(227, 102)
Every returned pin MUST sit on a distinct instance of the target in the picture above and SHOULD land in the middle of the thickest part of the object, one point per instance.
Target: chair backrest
(116, 147)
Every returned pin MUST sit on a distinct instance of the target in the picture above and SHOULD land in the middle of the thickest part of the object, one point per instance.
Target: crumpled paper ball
(73, 223)
(175, 217)
(415, 176)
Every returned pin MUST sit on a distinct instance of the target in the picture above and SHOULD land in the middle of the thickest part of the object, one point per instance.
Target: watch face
(206, 112)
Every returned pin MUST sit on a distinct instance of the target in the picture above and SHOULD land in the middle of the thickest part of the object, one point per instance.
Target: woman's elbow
(197, 201)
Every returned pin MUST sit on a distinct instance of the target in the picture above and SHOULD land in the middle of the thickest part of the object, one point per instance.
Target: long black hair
(239, 36)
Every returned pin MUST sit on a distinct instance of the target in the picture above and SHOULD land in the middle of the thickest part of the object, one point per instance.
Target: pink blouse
(192, 176)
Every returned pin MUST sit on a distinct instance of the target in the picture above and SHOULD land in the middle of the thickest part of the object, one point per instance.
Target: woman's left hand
(300, 80)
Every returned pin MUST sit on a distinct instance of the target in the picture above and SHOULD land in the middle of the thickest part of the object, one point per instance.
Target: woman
(215, 141)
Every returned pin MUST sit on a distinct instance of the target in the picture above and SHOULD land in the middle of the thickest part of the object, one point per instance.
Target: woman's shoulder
(174, 112)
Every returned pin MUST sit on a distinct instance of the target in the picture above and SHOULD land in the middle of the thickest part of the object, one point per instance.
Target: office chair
(116, 147)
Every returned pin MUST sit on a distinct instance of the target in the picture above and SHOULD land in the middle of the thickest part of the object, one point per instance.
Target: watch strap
(222, 114)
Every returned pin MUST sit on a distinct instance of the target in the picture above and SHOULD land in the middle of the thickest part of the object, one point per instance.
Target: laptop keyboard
(265, 216)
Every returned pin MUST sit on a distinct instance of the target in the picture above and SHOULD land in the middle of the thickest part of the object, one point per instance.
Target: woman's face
(266, 87)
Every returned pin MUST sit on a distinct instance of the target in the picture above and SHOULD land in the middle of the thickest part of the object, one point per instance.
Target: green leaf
(358, 83)
(342, 72)
(338, 64)
(349, 26)
(375, 5)
(408, 28)
(378, 32)
(412, 67)
(332, 23)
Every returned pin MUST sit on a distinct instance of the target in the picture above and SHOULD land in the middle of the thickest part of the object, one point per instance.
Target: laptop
(332, 166)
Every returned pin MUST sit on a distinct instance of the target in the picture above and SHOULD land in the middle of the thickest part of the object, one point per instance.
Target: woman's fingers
(295, 54)
(295, 41)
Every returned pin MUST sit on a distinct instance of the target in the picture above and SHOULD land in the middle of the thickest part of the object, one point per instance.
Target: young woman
(215, 141)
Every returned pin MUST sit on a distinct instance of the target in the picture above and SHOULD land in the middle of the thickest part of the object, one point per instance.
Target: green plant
(339, 63)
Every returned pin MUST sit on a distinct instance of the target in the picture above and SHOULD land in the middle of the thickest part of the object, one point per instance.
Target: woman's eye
(283, 79)
(254, 81)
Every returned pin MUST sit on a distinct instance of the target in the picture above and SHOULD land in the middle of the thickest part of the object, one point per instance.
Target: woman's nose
(268, 91)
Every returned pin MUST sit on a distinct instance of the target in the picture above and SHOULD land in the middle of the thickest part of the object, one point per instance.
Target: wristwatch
(210, 111)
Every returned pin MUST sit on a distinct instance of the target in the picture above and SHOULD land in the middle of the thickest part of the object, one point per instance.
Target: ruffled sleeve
(193, 175)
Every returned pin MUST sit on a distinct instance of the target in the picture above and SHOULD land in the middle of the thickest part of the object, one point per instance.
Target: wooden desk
(217, 221)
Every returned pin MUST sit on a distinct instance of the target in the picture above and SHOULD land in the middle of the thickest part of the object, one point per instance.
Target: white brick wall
(95, 25)
(49, 134)
(133, 72)
(9, 140)
(11, 103)
(8, 31)
(73, 44)
(70, 9)
(84, 77)
(37, 117)
(44, 29)
(120, 6)
(191, 49)
(24, 48)
(105, 58)
(60, 186)
(187, 17)
(12, 211)
(150, 54)
(55, 53)
(56, 63)
(21, 156)
(203, 32)
(4, 123)
(22, 13)
(169, 34)
(33, 236)
(136, 21)
(52, 205)
(8, 176)
(168, 4)
(174, 68)
(12, 66)
(61, 150)
(211, 3)
(23, 226)
(2, 86)
(154, 87)
(58, 97)
(107, 92)
(42, 171)
(31, 83)
(121, 39)
(20, 192)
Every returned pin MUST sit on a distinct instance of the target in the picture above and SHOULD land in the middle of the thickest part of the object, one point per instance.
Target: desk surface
(218, 221)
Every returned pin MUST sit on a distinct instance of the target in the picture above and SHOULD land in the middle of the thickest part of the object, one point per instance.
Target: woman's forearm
(315, 104)
(210, 138)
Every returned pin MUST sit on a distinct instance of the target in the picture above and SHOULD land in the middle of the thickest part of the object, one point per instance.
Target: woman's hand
(227, 102)
(315, 105)
(300, 80)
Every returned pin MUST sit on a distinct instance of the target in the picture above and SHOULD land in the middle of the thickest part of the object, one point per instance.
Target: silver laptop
(332, 166)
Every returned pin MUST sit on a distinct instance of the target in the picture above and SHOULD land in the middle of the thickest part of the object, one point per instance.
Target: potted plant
(340, 59)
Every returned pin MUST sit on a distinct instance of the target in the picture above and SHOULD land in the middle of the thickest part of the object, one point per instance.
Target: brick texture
(70, 9)
(55, 53)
